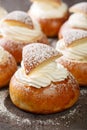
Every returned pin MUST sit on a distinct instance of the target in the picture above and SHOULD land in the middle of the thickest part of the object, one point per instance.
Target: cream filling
(75, 53)
(43, 77)
(78, 20)
(18, 33)
(47, 10)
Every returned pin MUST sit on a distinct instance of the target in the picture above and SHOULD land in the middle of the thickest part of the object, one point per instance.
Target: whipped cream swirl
(77, 52)
(78, 20)
(48, 10)
(43, 77)
(18, 33)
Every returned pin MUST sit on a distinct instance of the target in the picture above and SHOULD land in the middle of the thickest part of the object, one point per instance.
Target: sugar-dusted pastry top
(4, 56)
(3, 12)
(79, 18)
(19, 16)
(37, 53)
(71, 36)
(18, 26)
(47, 9)
(74, 45)
(43, 69)
(79, 7)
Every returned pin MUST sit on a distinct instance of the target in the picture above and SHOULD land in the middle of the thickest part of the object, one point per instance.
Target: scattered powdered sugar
(4, 111)
(63, 119)
(83, 91)
(19, 120)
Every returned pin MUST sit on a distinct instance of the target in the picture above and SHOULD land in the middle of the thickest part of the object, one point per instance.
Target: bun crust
(19, 16)
(18, 30)
(50, 23)
(7, 68)
(73, 46)
(15, 47)
(78, 69)
(51, 26)
(53, 88)
(53, 98)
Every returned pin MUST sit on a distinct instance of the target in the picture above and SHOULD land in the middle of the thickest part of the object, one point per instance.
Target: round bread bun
(56, 96)
(77, 20)
(50, 24)
(7, 67)
(73, 46)
(18, 30)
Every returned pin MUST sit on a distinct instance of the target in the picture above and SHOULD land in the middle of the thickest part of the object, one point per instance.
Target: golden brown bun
(14, 46)
(55, 97)
(78, 69)
(7, 67)
(73, 47)
(44, 100)
(51, 26)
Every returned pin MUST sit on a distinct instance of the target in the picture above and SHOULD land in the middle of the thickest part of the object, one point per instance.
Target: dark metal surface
(12, 118)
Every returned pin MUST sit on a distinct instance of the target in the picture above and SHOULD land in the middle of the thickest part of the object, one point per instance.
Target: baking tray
(12, 118)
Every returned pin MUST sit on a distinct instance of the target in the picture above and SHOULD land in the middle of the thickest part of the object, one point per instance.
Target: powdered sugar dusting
(73, 35)
(83, 92)
(36, 53)
(18, 16)
(71, 119)
(4, 111)
(79, 7)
